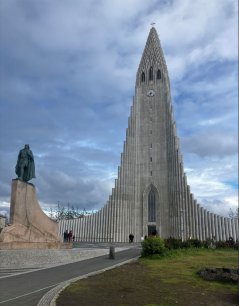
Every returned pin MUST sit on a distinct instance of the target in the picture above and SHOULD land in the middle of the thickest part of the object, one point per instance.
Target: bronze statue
(25, 168)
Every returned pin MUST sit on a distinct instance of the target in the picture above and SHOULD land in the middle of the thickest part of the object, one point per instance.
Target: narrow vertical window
(151, 75)
(158, 74)
(143, 77)
(151, 207)
(151, 159)
(151, 173)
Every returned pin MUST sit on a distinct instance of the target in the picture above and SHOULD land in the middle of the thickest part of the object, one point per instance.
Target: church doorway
(150, 211)
(152, 230)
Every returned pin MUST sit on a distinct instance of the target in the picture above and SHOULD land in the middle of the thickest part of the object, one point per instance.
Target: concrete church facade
(151, 194)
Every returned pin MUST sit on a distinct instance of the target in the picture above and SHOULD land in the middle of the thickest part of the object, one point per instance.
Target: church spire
(151, 194)
(152, 58)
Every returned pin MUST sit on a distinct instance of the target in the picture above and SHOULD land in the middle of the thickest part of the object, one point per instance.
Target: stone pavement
(21, 261)
(18, 263)
(13, 262)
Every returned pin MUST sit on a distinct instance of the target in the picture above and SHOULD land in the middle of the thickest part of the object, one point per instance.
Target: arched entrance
(150, 211)
(152, 231)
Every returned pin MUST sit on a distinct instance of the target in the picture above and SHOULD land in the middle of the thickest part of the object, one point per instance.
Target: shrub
(195, 243)
(221, 244)
(209, 243)
(236, 245)
(153, 246)
(172, 243)
(230, 242)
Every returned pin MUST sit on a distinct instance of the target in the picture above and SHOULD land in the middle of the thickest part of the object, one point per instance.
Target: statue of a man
(25, 168)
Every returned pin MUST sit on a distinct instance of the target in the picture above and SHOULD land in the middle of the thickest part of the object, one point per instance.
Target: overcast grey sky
(67, 78)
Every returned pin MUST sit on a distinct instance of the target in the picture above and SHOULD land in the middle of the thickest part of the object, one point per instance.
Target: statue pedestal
(30, 227)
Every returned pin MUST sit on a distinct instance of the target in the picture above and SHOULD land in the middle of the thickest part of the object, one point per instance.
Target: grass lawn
(158, 282)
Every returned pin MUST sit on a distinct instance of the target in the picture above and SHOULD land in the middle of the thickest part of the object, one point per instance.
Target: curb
(49, 299)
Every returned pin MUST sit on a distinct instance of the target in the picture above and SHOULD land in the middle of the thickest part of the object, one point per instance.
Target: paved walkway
(61, 266)
(14, 262)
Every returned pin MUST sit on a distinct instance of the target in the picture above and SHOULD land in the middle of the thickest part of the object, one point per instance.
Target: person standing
(70, 236)
(65, 236)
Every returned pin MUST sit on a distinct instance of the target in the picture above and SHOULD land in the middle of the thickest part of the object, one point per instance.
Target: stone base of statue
(30, 226)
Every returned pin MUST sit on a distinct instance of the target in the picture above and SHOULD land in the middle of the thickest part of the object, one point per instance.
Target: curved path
(27, 289)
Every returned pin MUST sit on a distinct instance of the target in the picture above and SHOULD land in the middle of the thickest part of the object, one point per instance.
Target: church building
(151, 194)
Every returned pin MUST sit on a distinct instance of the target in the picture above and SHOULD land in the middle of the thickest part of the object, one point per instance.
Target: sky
(67, 80)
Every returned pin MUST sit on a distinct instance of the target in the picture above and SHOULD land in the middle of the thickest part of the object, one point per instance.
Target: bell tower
(152, 96)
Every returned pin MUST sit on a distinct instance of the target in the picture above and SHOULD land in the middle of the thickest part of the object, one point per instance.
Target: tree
(233, 214)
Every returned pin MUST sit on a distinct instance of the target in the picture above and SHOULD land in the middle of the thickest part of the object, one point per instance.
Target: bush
(195, 243)
(209, 243)
(172, 243)
(236, 245)
(153, 246)
(230, 242)
(221, 244)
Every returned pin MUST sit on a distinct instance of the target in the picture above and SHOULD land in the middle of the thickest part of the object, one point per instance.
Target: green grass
(155, 281)
(183, 265)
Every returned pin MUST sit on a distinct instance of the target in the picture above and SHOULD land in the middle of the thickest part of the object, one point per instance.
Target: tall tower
(151, 195)
(152, 100)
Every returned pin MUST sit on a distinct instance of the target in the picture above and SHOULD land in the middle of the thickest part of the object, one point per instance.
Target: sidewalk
(49, 299)
(14, 262)
(53, 270)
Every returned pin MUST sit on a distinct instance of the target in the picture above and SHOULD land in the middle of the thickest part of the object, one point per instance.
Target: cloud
(67, 81)
(211, 144)
(214, 181)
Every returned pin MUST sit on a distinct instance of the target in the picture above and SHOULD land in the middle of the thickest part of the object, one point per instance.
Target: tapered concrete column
(187, 208)
(87, 225)
(124, 196)
(194, 221)
(114, 213)
(182, 201)
(105, 222)
(83, 229)
(121, 204)
(79, 233)
(175, 202)
(230, 227)
(227, 230)
(94, 227)
(233, 229)
(100, 224)
(197, 235)
(220, 227)
(216, 226)
(235, 221)
(209, 226)
(206, 217)
(224, 226)
(202, 223)
(117, 212)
